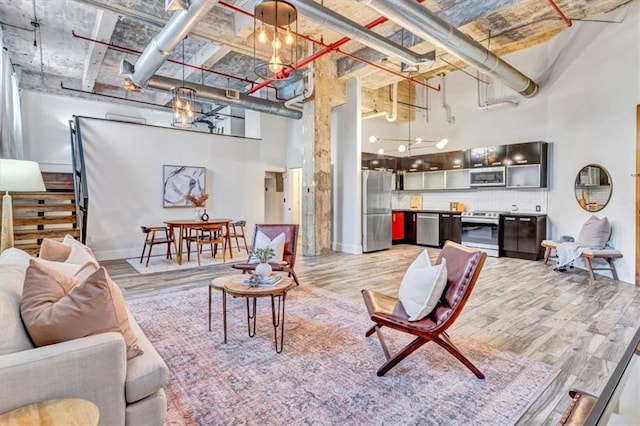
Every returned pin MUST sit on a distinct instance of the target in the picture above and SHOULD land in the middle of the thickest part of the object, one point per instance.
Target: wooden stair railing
(50, 214)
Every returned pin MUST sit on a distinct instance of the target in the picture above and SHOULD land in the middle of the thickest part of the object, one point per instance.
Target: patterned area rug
(327, 371)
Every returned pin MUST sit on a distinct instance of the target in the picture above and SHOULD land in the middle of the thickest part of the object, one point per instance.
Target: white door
(295, 195)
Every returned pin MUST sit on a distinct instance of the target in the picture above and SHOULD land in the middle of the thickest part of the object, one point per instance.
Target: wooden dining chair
(211, 235)
(463, 268)
(237, 231)
(150, 240)
(290, 247)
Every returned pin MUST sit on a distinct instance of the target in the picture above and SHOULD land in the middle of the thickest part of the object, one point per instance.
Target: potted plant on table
(263, 254)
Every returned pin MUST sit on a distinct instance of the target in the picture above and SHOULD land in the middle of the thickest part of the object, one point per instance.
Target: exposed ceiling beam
(105, 24)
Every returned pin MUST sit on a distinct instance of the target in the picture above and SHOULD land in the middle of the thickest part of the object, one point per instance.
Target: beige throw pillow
(422, 286)
(54, 250)
(56, 307)
(277, 244)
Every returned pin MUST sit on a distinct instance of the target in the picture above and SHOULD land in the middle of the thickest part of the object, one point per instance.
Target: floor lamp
(16, 176)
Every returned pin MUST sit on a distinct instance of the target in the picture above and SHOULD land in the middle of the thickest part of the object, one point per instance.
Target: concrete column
(316, 162)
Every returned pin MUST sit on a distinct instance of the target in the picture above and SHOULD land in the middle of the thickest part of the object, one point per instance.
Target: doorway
(295, 195)
(273, 197)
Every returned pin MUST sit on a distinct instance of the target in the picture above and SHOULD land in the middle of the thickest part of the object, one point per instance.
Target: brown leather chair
(151, 240)
(290, 247)
(463, 267)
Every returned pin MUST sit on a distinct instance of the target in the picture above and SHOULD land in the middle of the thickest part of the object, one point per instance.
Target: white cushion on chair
(422, 286)
(277, 244)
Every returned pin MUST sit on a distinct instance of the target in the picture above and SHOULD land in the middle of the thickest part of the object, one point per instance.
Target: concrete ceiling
(38, 35)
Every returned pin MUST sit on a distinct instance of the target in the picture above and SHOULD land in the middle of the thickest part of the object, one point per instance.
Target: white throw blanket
(568, 252)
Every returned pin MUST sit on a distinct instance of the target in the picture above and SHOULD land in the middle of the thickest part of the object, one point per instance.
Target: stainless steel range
(480, 229)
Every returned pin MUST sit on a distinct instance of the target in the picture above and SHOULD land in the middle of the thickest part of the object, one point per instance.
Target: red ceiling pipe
(559, 12)
(137, 52)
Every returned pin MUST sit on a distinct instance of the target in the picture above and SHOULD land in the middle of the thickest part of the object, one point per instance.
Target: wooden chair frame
(151, 240)
(463, 268)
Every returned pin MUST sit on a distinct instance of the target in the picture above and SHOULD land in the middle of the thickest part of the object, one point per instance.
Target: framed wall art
(180, 181)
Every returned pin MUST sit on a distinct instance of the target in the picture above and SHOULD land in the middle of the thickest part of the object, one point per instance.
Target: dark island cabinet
(450, 227)
(410, 227)
(522, 235)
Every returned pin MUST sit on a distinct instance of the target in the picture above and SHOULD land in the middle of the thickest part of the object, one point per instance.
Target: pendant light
(184, 103)
(272, 26)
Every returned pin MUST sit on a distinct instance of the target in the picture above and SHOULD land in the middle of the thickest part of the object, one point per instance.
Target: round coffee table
(234, 286)
(54, 412)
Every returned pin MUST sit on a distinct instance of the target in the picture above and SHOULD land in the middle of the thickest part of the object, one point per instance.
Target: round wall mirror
(593, 187)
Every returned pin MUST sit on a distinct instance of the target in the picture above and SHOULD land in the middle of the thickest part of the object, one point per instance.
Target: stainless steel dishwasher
(428, 229)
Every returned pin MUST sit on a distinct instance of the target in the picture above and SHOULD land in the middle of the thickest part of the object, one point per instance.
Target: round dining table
(185, 224)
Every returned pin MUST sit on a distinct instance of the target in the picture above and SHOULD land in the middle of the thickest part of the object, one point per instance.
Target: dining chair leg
(144, 248)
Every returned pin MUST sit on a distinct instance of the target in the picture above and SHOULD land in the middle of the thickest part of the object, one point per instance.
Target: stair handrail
(79, 176)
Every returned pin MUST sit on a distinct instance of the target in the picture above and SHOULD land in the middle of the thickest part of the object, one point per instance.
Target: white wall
(590, 86)
(124, 163)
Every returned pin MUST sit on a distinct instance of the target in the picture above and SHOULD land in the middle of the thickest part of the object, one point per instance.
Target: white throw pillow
(595, 232)
(422, 286)
(80, 256)
(277, 244)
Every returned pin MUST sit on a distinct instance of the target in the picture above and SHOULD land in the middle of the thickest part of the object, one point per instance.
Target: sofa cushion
(54, 250)
(13, 337)
(146, 373)
(56, 307)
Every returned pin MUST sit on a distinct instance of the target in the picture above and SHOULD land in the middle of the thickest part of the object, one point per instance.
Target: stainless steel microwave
(487, 176)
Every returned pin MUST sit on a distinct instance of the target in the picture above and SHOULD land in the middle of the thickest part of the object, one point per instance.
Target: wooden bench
(588, 255)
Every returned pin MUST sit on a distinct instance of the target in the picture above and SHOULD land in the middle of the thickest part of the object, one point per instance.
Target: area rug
(326, 373)
(160, 263)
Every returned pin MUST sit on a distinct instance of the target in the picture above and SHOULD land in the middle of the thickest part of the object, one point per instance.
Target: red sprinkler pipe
(559, 12)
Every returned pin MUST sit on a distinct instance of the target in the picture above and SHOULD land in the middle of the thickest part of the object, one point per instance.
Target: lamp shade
(20, 176)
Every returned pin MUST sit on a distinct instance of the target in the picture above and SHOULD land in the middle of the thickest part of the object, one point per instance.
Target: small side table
(234, 286)
(54, 412)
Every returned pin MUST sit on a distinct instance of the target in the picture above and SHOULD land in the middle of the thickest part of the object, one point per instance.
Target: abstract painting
(180, 181)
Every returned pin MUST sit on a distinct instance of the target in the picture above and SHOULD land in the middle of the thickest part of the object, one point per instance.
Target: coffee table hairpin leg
(251, 317)
(278, 320)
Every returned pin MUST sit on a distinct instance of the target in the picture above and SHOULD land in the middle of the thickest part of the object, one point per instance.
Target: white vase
(263, 270)
(198, 214)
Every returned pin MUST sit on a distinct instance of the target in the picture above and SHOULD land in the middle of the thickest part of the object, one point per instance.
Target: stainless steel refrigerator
(376, 210)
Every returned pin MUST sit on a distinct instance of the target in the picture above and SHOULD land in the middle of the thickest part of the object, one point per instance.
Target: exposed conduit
(485, 101)
(394, 108)
(422, 22)
(216, 95)
(307, 90)
(342, 25)
(450, 118)
(163, 44)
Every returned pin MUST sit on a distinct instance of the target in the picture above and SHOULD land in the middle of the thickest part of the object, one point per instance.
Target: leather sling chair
(463, 268)
(290, 247)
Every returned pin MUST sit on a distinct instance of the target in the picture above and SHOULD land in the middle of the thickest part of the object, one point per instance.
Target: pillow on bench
(595, 232)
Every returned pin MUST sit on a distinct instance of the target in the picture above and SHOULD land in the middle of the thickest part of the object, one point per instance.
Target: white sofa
(94, 367)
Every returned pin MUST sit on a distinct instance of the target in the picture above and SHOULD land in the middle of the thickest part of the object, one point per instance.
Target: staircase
(49, 214)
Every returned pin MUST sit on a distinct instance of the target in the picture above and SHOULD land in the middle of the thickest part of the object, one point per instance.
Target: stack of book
(269, 281)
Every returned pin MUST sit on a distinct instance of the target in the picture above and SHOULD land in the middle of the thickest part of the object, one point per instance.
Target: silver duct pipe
(328, 18)
(163, 44)
(216, 95)
(422, 22)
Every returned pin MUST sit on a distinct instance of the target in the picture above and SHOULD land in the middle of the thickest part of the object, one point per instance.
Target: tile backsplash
(492, 199)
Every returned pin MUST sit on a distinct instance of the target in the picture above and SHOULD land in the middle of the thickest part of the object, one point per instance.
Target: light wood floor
(521, 306)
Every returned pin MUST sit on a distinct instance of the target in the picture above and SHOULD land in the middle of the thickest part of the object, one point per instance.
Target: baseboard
(347, 248)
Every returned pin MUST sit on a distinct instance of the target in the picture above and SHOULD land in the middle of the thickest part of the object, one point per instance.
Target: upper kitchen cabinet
(527, 165)
(454, 160)
(486, 156)
(526, 153)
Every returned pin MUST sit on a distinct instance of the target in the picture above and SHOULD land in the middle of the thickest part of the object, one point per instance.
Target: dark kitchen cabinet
(410, 227)
(454, 160)
(522, 235)
(434, 162)
(486, 156)
(450, 227)
(527, 153)
(397, 227)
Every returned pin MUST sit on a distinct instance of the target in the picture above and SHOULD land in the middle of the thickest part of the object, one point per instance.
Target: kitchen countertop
(523, 214)
(426, 211)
